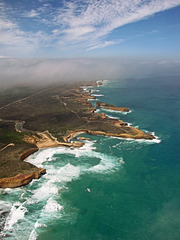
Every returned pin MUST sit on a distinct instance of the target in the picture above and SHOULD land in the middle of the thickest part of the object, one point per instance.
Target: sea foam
(89, 99)
(115, 111)
(107, 164)
(110, 116)
(17, 213)
(43, 192)
(97, 95)
(63, 174)
(33, 234)
(52, 206)
(93, 90)
(156, 140)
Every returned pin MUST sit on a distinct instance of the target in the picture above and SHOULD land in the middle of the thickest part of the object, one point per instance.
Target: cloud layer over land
(49, 71)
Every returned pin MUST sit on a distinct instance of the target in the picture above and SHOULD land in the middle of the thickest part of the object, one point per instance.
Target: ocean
(111, 188)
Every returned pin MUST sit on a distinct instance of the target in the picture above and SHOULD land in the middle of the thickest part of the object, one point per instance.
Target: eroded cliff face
(21, 179)
(27, 153)
(14, 171)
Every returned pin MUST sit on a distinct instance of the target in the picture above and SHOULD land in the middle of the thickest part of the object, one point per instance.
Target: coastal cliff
(21, 179)
(61, 114)
(14, 171)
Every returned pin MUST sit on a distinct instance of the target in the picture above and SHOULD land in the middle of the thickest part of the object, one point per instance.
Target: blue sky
(94, 28)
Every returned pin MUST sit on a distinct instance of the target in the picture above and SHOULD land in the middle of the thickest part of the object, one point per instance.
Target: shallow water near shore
(110, 188)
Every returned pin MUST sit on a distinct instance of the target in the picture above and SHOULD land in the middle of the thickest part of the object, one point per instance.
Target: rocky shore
(80, 117)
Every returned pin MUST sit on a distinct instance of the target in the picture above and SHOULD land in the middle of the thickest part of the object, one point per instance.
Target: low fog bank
(42, 72)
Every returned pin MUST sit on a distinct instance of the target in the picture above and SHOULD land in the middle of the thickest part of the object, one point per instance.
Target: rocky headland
(52, 118)
(111, 107)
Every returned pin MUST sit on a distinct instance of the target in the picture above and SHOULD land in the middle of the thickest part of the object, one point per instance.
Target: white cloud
(154, 31)
(16, 41)
(77, 33)
(33, 13)
(102, 17)
(87, 23)
(105, 44)
(7, 24)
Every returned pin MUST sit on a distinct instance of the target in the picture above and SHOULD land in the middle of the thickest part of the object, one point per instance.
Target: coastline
(95, 124)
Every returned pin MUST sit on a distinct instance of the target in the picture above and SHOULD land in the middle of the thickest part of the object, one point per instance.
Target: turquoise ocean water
(110, 189)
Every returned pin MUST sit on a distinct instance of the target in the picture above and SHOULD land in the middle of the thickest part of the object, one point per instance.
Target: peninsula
(36, 118)
(111, 107)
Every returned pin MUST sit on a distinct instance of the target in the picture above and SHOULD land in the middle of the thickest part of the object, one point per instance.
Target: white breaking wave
(33, 234)
(89, 99)
(85, 88)
(17, 213)
(93, 90)
(109, 116)
(54, 175)
(52, 206)
(42, 156)
(107, 164)
(104, 82)
(114, 111)
(97, 110)
(97, 95)
(43, 192)
(156, 140)
(64, 174)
